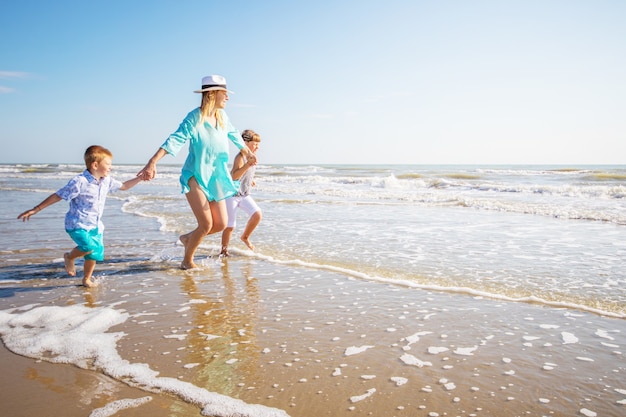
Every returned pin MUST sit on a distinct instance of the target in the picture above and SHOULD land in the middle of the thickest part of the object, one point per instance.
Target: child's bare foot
(224, 251)
(187, 265)
(70, 268)
(87, 282)
(246, 240)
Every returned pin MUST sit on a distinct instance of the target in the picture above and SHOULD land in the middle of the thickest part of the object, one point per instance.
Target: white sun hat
(213, 83)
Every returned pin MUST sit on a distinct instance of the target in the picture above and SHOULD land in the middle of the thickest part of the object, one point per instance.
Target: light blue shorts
(88, 241)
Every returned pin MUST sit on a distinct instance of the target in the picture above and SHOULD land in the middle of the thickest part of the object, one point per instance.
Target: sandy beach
(308, 326)
(312, 343)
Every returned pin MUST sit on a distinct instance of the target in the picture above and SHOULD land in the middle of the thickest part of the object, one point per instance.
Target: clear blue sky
(325, 81)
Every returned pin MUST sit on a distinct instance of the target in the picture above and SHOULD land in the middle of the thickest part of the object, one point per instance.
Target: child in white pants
(243, 170)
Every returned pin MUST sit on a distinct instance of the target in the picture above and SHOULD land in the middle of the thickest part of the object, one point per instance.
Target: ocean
(545, 238)
(553, 235)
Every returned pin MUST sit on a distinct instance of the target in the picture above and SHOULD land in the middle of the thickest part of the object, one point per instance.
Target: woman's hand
(148, 172)
(250, 158)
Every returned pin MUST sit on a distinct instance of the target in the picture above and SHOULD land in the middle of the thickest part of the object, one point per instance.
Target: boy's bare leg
(88, 268)
(253, 222)
(70, 268)
(69, 258)
(226, 234)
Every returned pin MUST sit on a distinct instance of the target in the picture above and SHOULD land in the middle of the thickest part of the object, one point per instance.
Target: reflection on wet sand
(222, 342)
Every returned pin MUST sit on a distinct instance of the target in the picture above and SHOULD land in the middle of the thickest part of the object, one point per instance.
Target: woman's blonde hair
(96, 153)
(208, 105)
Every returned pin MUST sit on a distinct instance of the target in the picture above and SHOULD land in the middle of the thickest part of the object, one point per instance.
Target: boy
(243, 170)
(86, 194)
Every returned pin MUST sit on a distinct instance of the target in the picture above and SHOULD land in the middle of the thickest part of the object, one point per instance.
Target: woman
(205, 177)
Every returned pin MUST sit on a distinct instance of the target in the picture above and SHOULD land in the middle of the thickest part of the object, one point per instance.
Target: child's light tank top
(246, 181)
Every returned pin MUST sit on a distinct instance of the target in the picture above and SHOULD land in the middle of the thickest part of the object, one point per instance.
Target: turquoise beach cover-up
(208, 155)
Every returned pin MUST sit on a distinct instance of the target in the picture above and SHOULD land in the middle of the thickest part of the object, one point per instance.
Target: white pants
(246, 203)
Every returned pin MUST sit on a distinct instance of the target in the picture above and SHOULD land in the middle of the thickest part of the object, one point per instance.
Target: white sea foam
(358, 398)
(175, 336)
(414, 338)
(114, 407)
(413, 361)
(78, 335)
(435, 287)
(467, 351)
(449, 386)
(354, 350)
(399, 380)
(568, 338)
(604, 334)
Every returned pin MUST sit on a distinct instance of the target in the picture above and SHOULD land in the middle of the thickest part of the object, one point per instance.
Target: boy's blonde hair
(96, 153)
(207, 105)
(249, 135)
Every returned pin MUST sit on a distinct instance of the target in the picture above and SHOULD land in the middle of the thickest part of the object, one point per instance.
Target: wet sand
(319, 343)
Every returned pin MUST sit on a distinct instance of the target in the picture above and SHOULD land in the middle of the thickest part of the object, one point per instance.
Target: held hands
(250, 158)
(148, 172)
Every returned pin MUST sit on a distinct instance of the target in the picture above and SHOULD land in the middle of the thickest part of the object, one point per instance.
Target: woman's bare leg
(211, 218)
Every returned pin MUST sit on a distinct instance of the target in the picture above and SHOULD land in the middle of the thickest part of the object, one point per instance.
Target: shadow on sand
(24, 276)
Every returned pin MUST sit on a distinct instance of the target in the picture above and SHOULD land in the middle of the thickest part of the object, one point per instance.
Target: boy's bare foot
(70, 268)
(187, 265)
(224, 251)
(247, 242)
(87, 282)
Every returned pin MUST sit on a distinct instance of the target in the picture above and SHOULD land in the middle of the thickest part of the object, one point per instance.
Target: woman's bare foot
(246, 240)
(224, 251)
(187, 265)
(70, 268)
(184, 239)
(87, 282)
